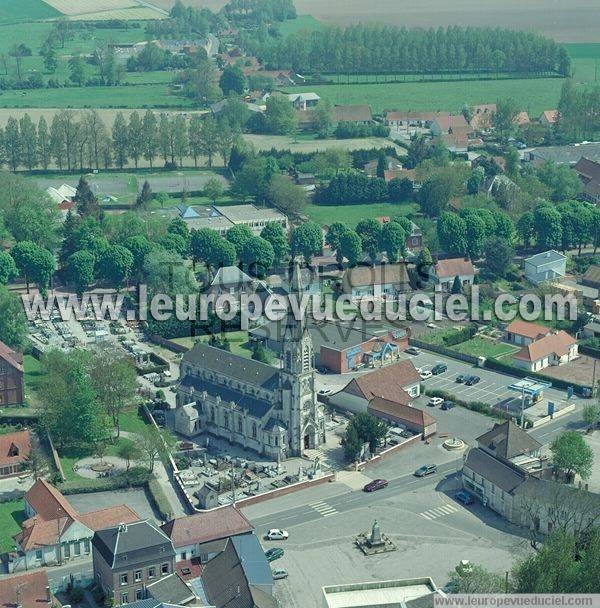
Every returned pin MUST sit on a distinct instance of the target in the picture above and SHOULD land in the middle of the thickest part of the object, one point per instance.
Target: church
(271, 410)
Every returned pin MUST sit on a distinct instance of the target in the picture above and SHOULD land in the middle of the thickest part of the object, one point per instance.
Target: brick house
(12, 391)
(522, 333)
(381, 281)
(128, 558)
(412, 418)
(14, 451)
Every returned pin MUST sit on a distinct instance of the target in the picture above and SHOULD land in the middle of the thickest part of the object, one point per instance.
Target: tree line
(382, 49)
(79, 141)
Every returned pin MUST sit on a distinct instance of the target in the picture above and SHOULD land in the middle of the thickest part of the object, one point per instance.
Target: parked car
(277, 534)
(471, 380)
(279, 573)
(439, 368)
(465, 497)
(412, 350)
(325, 391)
(462, 378)
(376, 484)
(273, 554)
(426, 469)
(435, 401)
(447, 405)
(432, 325)
(425, 374)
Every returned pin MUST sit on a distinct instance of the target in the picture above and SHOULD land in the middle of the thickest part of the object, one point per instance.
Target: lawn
(238, 341)
(480, 347)
(352, 214)
(33, 376)
(534, 95)
(131, 422)
(125, 96)
(301, 23)
(20, 10)
(11, 516)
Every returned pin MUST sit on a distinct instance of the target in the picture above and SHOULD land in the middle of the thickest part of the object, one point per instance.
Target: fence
(168, 344)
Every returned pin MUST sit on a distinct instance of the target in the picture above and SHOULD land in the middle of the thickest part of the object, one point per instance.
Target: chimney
(122, 527)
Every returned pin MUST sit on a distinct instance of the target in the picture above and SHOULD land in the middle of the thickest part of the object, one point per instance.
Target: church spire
(295, 327)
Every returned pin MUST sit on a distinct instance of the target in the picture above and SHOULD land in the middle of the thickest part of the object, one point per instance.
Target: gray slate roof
(236, 367)
(507, 440)
(552, 492)
(150, 603)
(257, 408)
(171, 589)
(546, 257)
(502, 475)
(134, 543)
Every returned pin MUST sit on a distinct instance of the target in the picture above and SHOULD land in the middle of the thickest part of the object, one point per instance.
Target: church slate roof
(238, 368)
(256, 407)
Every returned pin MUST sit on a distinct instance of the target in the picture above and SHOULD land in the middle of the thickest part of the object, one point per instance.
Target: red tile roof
(25, 590)
(554, 344)
(550, 115)
(48, 502)
(387, 382)
(12, 357)
(528, 330)
(415, 116)
(109, 517)
(14, 447)
(37, 532)
(204, 527)
(452, 121)
(448, 269)
(400, 412)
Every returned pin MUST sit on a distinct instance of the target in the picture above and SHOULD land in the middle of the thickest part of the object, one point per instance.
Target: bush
(163, 506)
(474, 406)
(136, 477)
(76, 595)
(461, 336)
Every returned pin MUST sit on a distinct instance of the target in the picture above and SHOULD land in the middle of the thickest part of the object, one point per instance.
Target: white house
(444, 272)
(545, 266)
(522, 333)
(304, 101)
(384, 280)
(554, 349)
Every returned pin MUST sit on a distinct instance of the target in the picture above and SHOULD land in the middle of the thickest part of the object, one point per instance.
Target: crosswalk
(438, 512)
(323, 508)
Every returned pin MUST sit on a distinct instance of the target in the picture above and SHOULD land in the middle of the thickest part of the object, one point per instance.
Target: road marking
(323, 508)
(440, 511)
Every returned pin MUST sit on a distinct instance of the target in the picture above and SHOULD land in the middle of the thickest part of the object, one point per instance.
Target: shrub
(474, 406)
(136, 477)
(461, 336)
(163, 506)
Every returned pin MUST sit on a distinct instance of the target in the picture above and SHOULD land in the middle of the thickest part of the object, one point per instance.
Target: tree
(145, 196)
(139, 246)
(274, 233)
(77, 70)
(393, 241)
(232, 80)
(499, 256)
(238, 235)
(86, 200)
(43, 143)
(307, 240)
(13, 323)
(434, 195)
(369, 230)
(400, 189)
(149, 136)
(128, 451)
(258, 255)
(323, 117)
(50, 61)
(80, 267)
(280, 116)
(477, 579)
(284, 195)
(114, 378)
(368, 428)
(202, 242)
(120, 140)
(213, 189)
(152, 443)
(334, 234)
(135, 137)
(452, 232)
(222, 254)
(547, 223)
(456, 286)
(208, 139)
(28, 142)
(572, 455)
(424, 263)
(179, 136)
(503, 118)
(350, 247)
(115, 264)
(564, 183)
(12, 143)
(35, 263)
(36, 462)
(525, 228)
(476, 232)
(591, 414)
(8, 268)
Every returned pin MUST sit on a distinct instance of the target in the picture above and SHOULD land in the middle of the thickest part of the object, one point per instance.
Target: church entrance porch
(310, 441)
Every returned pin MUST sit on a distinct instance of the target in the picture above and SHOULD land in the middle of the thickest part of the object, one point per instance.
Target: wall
(389, 452)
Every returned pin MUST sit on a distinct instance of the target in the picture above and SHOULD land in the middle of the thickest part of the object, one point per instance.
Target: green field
(352, 214)
(20, 10)
(480, 347)
(11, 516)
(126, 96)
(302, 22)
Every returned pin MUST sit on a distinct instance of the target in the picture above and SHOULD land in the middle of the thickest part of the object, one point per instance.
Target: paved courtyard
(135, 498)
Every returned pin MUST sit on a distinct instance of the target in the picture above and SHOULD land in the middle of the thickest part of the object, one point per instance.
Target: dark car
(426, 469)
(273, 554)
(465, 497)
(439, 368)
(447, 405)
(462, 378)
(471, 380)
(376, 484)
(412, 350)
